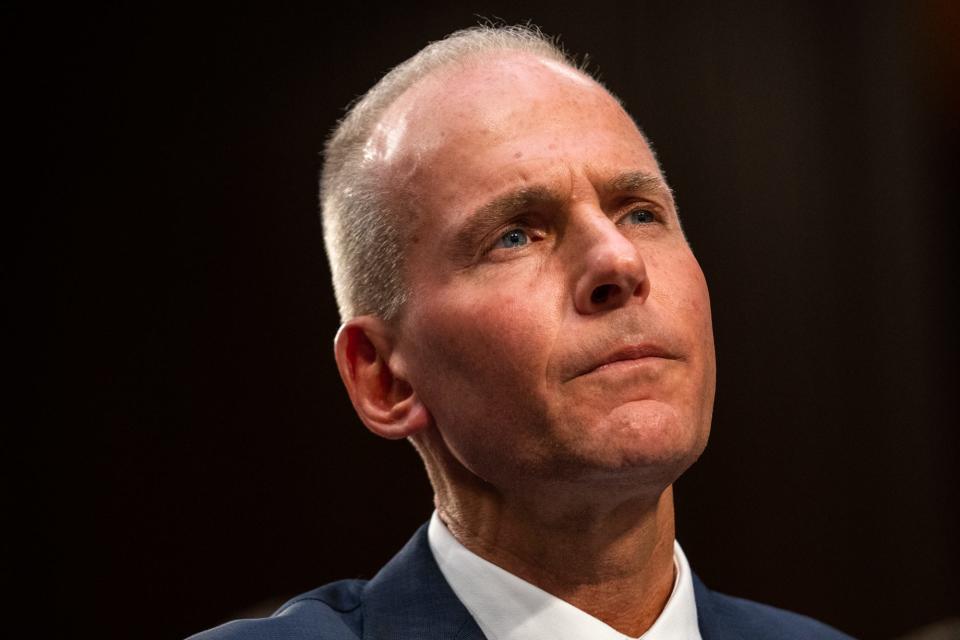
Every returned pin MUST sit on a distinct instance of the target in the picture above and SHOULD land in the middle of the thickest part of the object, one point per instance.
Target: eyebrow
(512, 204)
(639, 182)
(501, 209)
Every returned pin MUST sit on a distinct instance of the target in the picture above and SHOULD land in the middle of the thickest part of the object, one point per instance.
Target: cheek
(480, 342)
(479, 370)
(680, 291)
(694, 306)
(678, 285)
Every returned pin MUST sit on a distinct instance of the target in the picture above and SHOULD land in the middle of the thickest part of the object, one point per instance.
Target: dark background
(199, 455)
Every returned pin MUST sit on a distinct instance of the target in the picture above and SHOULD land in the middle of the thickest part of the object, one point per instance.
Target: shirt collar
(509, 608)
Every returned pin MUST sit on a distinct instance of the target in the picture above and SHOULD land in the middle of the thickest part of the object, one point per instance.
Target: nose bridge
(610, 269)
(604, 238)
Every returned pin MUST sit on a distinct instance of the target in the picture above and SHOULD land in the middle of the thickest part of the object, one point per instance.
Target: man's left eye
(640, 216)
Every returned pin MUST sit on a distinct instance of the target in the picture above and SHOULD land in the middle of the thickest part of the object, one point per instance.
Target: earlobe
(386, 403)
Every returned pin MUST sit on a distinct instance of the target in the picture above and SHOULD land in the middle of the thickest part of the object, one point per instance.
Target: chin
(647, 441)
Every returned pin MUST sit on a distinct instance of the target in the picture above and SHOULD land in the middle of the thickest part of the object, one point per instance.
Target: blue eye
(512, 239)
(640, 216)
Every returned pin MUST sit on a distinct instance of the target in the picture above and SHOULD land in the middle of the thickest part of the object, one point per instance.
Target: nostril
(602, 293)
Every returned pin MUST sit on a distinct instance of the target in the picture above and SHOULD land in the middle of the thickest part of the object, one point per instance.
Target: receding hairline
(435, 80)
(400, 159)
(476, 59)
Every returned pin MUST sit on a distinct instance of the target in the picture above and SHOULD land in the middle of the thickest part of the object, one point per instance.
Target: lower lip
(631, 362)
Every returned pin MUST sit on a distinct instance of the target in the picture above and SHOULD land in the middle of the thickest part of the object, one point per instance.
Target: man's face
(558, 326)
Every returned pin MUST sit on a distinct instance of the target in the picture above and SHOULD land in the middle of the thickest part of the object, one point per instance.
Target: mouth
(629, 355)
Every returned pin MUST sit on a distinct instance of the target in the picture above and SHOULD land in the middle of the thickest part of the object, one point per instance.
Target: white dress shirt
(509, 608)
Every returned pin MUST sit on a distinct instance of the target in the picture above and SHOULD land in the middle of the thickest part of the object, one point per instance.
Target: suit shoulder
(330, 612)
(755, 620)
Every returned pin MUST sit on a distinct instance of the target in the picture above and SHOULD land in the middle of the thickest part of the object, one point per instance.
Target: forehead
(480, 97)
(470, 130)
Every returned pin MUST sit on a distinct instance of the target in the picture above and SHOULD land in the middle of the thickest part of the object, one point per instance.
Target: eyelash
(534, 237)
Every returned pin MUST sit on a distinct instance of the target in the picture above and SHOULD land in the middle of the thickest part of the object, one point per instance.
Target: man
(519, 300)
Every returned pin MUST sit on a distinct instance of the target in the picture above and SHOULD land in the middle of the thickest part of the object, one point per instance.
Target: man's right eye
(512, 239)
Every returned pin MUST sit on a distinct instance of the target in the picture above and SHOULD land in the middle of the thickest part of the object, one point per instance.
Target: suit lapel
(711, 626)
(409, 599)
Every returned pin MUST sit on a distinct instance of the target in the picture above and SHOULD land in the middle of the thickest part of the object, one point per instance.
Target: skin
(544, 460)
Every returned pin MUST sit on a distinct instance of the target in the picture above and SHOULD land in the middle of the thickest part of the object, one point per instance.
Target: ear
(384, 400)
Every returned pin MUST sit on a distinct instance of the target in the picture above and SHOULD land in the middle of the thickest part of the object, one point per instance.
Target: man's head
(554, 327)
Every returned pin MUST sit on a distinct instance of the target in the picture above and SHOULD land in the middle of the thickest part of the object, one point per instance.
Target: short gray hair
(362, 228)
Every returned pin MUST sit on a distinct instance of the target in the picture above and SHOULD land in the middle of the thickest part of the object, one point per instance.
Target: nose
(612, 271)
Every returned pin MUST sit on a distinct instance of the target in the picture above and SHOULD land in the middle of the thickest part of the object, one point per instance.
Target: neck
(613, 560)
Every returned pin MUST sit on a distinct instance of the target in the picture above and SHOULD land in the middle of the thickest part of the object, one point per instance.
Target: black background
(199, 456)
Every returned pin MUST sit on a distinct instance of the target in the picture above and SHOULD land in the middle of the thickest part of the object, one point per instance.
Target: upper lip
(631, 352)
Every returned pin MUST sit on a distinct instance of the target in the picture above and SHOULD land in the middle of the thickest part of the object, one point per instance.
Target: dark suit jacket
(409, 599)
